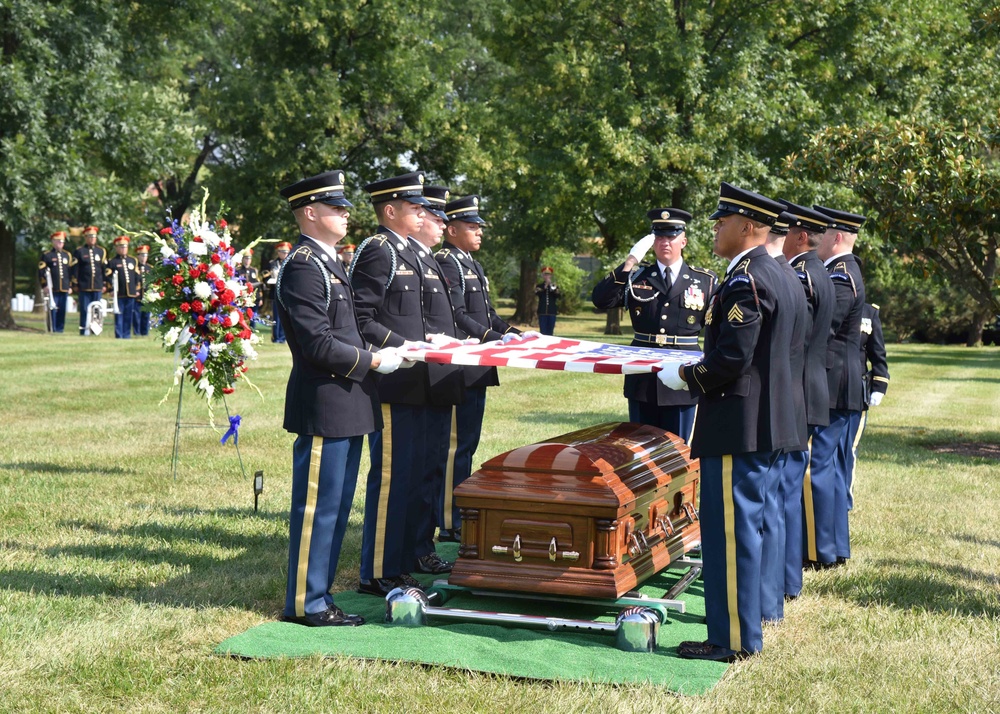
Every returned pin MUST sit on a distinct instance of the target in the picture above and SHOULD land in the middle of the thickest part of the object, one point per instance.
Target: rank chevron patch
(735, 314)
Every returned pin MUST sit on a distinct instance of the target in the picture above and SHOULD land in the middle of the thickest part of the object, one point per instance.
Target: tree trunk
(40, 306)
(975, 335)
(7, 247)
(524, 311)
(613, 325)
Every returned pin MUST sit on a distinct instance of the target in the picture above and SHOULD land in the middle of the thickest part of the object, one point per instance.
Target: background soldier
(475, 318)
(89, 263)
(140, 322)
(387, 279)
(330, 403)
(124, 281)
(828, 472)
(875, 375)
(806, 227)
(548, 302)
(746, 417)
(56, 266)
(667, 302)
(252, 279)
(270, 276)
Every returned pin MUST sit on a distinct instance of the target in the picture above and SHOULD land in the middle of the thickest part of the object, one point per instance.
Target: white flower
(234, 317)
(150, 296)
(196, 248)
(166, 251)
(178, 375)
(205, 385)
(171, 336)
(248, 350)
(254, 338)
(210, 238)
(216, 270)
(237, 256)
(217, 347)
(237, 287)
(202, 290)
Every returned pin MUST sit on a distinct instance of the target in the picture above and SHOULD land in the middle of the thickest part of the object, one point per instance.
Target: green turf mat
(517, 652)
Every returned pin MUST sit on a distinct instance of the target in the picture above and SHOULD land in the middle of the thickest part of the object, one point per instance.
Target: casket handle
(666, 524)
(690, 511)
(515, 551)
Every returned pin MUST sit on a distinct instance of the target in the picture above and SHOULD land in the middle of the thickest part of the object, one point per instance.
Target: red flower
(228, 337)
(229, 269)
(197, 239)
(178, 279)
(171, 315)
(214, 304)
(227, 321)
(195, 271)
(232, 251)
(198, 306)
(226, 297)
(185, 307)
(246, 334)
(249, 313)
(220, 285)
(228, 390)
(250, 290)
(214, 319)
(222, 224)
(216, 258)
(201, 320)
(161, 293)
(168, 231)
(178, 260)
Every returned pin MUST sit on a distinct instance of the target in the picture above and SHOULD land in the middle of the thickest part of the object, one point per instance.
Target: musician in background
(548, 302)
(270, 276)
(252, 278)
(87, 268)
(140, 318)
(123, 279)
(54, 274)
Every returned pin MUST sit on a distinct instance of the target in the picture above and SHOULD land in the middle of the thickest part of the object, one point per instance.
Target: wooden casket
(591, 513)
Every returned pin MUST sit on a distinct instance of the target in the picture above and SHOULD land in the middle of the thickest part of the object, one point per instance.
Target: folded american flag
(554, 353)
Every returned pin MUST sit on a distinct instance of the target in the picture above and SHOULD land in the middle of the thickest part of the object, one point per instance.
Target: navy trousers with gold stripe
(792, 478)
(845, 474)
(820, 490)
(468, 426)
(391, 529)
(425, 506)
(677, 420)
(735, 491)
(856, 430)
(324, 474)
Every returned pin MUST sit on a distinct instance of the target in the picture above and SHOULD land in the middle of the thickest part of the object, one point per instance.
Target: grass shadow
(64, 470)
(910, 446)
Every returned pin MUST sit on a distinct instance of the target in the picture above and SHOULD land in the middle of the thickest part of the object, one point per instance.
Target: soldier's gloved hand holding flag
(669, 374)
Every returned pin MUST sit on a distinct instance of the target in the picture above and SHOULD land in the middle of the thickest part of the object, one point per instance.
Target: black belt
(667, 340)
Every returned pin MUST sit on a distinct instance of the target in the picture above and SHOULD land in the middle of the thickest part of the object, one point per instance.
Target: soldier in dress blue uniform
(548, 302)
(667, 302)
(57, 264)
(123, 273)
(252, 279)
(331, 399)
(140, 318)
(788, 507)
(875, 374)
(89, 263)
(828, 464)
(269, 276)
(446, 383)
(806, 227)
(746, 418)
(387, 277)
(475, 318)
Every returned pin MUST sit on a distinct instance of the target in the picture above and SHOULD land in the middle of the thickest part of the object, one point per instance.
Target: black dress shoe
(332, 617)
(407, 581)
(450, 536)
(708, 651)
(380, 587)
(433, 563)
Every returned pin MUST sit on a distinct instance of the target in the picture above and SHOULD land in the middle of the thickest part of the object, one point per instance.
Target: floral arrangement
(201, 308)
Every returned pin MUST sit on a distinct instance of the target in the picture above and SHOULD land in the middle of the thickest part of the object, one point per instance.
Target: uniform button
(406, 287)
(473, 288)
(662, 329)
(722, 394)
(435, 289)
(663, 317)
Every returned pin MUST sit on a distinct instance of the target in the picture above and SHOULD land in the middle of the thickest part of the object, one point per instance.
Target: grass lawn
(116, 582)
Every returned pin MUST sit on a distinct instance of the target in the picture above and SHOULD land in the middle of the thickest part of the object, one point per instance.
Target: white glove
(642, 247)
(875, 399)
(416, 345)
(530, 334)
(669, 375)
(439, 340)
(511, 337)
(390, 361)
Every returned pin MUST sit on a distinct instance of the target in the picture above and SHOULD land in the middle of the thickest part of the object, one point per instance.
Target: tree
(935, 188)
(81, 134)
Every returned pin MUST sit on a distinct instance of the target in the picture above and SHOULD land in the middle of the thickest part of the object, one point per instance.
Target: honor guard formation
(792, 359)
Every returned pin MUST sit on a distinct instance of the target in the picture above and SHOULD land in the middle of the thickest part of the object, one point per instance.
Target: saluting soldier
(788, 506)
(548, 302)
(270, 277)
(828, 474)
(124, 281)
(476, 318)
(331, 399)
(667, 302)
(875, 375)
(252, 279)
(746, 418)
(140, 317)
(55, 276)
(446, 383)
(88, 266)
(387, 278)
(806, 228)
